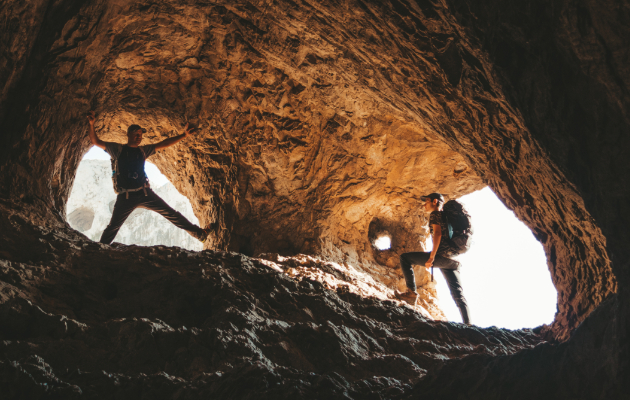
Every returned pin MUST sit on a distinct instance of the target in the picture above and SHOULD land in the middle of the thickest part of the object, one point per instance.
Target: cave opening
(383, 242)
(91, 202)
(505, 275)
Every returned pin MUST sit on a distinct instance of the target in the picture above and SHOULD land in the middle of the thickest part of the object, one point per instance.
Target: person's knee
(404, 259)
(447, 263)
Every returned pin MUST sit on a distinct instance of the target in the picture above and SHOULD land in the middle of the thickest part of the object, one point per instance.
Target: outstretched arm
(175, 139)
(95, 140)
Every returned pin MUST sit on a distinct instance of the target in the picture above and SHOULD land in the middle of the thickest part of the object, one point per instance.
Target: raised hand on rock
(190, 129)
(91, 117)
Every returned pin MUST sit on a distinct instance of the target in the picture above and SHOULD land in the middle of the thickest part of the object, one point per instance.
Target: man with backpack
(451, 232)
(132, 185)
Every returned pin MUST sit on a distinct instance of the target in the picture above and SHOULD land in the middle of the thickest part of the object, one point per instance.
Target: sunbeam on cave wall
(505, 276)
(91, 202)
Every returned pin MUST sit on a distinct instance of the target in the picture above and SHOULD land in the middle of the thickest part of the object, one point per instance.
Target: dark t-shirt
(136, 157)
(438, 218)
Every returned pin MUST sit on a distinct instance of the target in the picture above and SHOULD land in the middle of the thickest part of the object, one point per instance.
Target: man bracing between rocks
(132, 185)
(444, 248)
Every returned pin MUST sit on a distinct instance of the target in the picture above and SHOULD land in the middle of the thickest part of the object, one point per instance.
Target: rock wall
(563, 66)
(324, 121)
(281, 142)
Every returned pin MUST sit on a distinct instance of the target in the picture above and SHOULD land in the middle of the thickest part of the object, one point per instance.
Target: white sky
(383, 243)
(504, 274)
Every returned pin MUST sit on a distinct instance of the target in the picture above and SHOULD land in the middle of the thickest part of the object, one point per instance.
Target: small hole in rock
(383, 242)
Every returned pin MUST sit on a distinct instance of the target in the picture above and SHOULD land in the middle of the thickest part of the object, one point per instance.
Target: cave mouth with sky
(91, 202)
(320, 126)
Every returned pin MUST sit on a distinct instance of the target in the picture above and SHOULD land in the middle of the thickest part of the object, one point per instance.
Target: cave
(321, 124)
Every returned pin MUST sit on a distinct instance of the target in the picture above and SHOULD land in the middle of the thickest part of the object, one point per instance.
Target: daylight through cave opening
(91, 202)
(504, 274)
(383, 242)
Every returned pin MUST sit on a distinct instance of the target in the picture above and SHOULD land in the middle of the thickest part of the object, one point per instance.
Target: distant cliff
(92, 199)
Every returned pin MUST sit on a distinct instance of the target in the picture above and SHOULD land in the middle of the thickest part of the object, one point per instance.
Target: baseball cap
(135, 127)
(433, 196)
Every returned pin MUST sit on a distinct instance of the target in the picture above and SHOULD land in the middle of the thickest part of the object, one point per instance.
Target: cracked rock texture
(322, 122)
(183, 324)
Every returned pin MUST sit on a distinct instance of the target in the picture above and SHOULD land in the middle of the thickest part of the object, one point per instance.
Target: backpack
(138, 173)
(460, 229)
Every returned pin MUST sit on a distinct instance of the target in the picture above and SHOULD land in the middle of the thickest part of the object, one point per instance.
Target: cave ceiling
(316, 120)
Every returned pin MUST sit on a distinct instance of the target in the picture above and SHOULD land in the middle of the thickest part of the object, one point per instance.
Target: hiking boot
(408, 296)
(203, 236)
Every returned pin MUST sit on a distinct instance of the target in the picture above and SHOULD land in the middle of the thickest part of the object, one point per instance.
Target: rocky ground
(80, 320)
